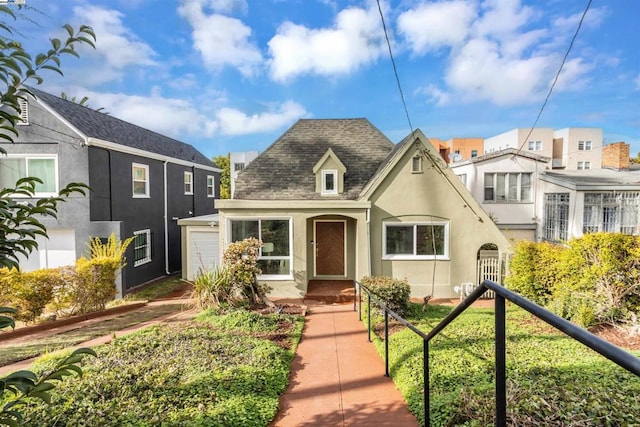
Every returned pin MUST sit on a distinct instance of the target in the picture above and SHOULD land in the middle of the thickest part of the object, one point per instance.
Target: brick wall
(615, 156)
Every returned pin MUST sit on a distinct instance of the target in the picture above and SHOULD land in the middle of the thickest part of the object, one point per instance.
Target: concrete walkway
(337, 378)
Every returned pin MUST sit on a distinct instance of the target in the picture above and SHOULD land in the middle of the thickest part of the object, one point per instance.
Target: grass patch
(552, 380)
(26, 348)
(180, 374)
(156, 290)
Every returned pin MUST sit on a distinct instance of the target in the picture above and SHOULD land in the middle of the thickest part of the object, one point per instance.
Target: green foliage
(21, 387)
(535, 270)
(553, 380)
(94, 283)
(213, 287)
(247, 321)
(112, 248)
(592, 280)
(187, 374)
(225, 176)
(29, 293)
(20, 222)
(394, 292)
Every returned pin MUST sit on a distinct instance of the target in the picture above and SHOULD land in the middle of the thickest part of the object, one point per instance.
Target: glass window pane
(513, 187)
(139, 187)
(11, 170)
(241, 230)
(328, 182)
(275, 237)
(46, 171)
(399, 240)
(430, 240)
(274, 266)
(500, 189)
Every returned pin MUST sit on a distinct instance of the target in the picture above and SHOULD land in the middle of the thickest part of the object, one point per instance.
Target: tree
(19, 221)
(225, 176)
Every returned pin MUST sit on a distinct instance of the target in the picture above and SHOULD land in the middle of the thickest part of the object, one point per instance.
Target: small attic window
(329, 182)
(24, 112)
(416, 164)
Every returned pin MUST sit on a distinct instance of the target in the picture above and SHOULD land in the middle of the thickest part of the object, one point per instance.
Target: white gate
(490, 269)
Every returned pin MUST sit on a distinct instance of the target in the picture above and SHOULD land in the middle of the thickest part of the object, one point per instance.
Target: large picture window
(140, 180)
(141, 247)
(13, 168)
(429, 240)
(275, 234)
(612, 212)
(507, 187)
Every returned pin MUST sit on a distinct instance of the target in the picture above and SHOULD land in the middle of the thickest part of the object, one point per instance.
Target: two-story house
(141, 184)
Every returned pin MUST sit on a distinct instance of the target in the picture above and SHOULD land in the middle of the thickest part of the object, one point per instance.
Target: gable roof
(511, 152)
(284, 171)
(94, 124)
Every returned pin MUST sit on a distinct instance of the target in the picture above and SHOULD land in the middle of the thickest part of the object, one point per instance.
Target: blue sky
(233, 75)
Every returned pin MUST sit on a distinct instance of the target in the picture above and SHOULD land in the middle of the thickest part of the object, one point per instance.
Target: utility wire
(395, 70)
(555, 80)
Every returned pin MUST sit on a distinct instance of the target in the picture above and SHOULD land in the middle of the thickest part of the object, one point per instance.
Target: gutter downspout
(166, 223)
(368, 219)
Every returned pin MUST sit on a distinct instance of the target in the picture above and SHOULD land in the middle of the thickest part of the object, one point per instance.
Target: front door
(329, 245)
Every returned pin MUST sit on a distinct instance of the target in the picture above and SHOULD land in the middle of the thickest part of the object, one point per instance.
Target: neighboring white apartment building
(569, 148)
(504, 183)
(237, 162)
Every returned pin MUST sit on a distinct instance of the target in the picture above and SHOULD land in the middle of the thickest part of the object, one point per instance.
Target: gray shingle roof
(284, 171)
(95, 124)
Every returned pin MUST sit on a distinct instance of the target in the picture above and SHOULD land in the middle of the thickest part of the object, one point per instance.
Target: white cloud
(117, 44)
(431, 26)
(504, 52)
(230, 121)
(636, 82)
(221, 40)
(355, 39)
(229, 6)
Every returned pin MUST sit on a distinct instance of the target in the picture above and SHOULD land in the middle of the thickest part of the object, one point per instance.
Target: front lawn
(219, 370)
(552, 380)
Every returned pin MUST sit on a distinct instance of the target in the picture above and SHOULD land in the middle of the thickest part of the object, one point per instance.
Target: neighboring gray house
(141, 184)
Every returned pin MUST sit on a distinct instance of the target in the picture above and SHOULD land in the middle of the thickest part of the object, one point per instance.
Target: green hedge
(592, 279)
(395, 292)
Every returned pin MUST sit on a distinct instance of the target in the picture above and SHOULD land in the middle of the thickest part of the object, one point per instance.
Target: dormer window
(416, 164)
(329, 182)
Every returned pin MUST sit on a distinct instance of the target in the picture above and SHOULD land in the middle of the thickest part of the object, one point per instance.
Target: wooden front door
(329, 243)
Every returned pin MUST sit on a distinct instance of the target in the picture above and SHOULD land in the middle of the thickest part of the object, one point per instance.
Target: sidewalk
(337, 378)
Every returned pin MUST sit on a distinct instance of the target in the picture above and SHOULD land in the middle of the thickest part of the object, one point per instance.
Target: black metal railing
(606, 349)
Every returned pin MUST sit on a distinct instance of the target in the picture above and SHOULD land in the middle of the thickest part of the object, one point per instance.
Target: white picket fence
(490, 269)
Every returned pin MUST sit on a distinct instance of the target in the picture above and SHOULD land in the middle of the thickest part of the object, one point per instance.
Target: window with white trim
(275, 258)
(14, 167)
(416, 164)
(507, 187)
(556, 217)
(237, 167)
(474, 153)
(423, 240)
(140, 180)
(211, 189)
(584, 165)
(141, 247)
(535, 145)
(584, 145)
(24, 112)
(615, 212)
(188, 183)
(463, 178)
(329, 182)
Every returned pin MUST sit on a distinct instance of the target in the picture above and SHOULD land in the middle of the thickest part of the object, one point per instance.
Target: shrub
(212, 287)
(535, 270)
(28, 292)
(94, 283)
(394, 292)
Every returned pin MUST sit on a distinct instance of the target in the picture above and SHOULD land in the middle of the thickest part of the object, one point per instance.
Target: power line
(555, 80)
(395, 70)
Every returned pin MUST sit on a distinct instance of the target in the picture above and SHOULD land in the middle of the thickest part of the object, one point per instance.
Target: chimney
(615, 156)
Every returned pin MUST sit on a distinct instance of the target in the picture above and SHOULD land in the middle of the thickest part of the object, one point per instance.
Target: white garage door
(58, 250)
(204, 251)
